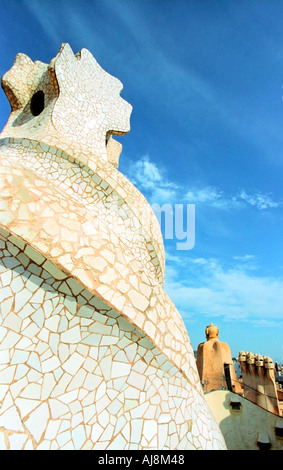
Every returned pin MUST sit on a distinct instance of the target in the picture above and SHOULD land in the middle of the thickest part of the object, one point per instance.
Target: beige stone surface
(90, 342)
(248, 427)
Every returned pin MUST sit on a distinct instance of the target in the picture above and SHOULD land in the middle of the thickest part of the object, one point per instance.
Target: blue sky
(205, 80)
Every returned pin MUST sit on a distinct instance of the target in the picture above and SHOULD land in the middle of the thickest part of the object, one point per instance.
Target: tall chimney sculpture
(94, 355)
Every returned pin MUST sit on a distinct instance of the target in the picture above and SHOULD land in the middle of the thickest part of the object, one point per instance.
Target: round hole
(37, 103)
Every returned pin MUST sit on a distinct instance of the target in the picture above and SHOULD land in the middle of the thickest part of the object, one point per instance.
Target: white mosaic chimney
(93, 354)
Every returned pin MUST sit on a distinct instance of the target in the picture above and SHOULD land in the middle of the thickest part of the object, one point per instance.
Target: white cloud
(247, 262)
(244, 257)
(152, 181)
(259, 200)
(210, 196)
(207, 194)
(211, 289)
(216, 198)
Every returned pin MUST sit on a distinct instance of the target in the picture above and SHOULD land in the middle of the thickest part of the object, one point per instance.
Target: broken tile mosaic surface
(90, 342)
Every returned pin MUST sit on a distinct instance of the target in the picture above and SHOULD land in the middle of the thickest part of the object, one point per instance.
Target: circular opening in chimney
(37, 103)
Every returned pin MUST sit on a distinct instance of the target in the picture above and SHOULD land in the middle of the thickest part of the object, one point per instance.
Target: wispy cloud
(157, 187)
(152, 181)
(244, 258)
(46, 18)
(164, 74)
(248, 262)
(258, 200)
(211, 197)
(214, 197)
(214, 289)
